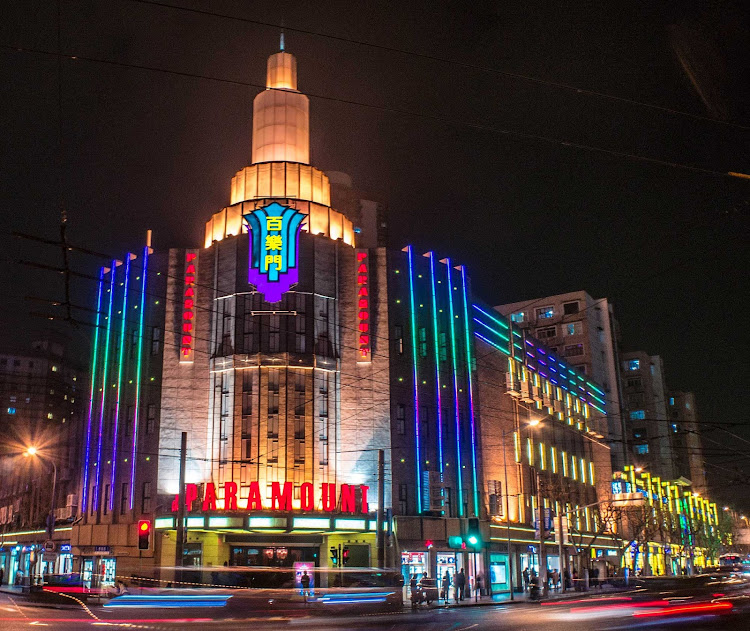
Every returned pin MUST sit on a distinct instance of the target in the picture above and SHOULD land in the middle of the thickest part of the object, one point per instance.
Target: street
(576, 614)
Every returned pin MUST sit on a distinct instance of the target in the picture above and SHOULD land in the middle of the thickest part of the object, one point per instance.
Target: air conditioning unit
(512, 386)
(65, 512)
(546, 400)
(526, 392)
(537, 393)
(558, 406)
(72, 500)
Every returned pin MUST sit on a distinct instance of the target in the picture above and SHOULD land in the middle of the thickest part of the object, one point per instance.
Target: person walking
(460, 585)
(444, 592)
(478, 586)
(526, 579)
(305, 581)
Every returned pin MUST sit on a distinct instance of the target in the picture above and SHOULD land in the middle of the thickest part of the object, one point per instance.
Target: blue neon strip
(491, 317)
(410, 256)
(467, 325)
(437, 365)
(136, 414)
(459, 482)
(120, 362)
(105, 367)
(493, 344)
(89, 417)
(491, 330)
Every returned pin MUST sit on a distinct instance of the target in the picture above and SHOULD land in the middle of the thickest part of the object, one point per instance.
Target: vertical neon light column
(89, 416)
(410, 255)
(459, 467)
(105, 367)
(120, 362)
(138, 370)
(467, 324)
(437, 365)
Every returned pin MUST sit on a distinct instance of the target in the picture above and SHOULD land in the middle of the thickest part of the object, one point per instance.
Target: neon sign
(330, 498)
(274, 249)
(363, 304)
(187, 339)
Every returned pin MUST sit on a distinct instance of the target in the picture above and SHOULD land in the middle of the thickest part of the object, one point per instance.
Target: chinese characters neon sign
(363, 304)
(187, 335)
(274, 249)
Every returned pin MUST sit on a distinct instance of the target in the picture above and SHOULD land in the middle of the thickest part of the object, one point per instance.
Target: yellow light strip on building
(542, 459)
(553, 458)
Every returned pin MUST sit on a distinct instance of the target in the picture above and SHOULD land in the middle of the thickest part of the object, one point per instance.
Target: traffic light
(335, 557)
(144, 534)
(345, 555)
(473, 534)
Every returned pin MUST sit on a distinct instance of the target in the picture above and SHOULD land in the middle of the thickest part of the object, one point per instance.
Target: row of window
(546, 312)
(556, 461)
(547, 332)
(145, 503)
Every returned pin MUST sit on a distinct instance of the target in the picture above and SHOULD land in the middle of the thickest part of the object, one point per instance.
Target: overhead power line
(394, 110)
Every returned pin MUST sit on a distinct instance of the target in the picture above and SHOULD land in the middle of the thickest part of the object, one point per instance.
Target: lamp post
(31, 452)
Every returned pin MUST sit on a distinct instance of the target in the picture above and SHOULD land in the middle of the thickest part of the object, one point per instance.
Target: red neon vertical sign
(364, 347)
(187, 335)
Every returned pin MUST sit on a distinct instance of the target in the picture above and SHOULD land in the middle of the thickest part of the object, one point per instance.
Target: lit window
(11, 410)
(573, 463)
(671, 400)
(564, 462)
(637, 415)
(545, 312)
(574, 328)
(49, 415)
(633, 364)
(54, 368)
(641, 449)
(674, 427)
(517, 317)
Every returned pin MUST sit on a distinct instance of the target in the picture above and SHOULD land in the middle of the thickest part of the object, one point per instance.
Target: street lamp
(31, 452)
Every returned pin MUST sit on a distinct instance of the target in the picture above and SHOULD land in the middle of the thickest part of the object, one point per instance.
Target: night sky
(136, 149)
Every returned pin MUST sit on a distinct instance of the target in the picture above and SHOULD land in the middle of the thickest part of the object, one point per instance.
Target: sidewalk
(524, 598)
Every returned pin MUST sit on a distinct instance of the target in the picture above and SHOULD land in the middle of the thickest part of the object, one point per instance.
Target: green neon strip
(437, 364)
(491, 317)
(410, 255)
(460, 491)
(493, 344)
(136, 412)
(469, 365)
(105, 367)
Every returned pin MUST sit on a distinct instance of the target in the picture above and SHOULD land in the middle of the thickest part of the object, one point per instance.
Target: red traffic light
(428, 544)
(144, 534)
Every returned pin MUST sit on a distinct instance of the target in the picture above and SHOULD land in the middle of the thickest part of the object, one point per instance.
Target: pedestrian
(305, 581)
(413, 589)
(444, 593)
(555, 579)
(566, 578)
(478, 586)
(460, 585)
(2, 574)
(575, 580)
(526, 579)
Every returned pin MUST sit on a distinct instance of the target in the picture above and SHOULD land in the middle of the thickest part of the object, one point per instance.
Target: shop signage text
(363, 304)
(274, 249)
(329, 498)
(187, 342)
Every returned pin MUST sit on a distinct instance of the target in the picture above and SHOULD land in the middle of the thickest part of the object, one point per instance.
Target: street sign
(50, 546)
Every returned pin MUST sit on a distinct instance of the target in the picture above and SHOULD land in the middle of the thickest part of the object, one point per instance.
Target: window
(274, 324)
(299, 403)
(155, 340)
(323, 409)
(299, 451)
(324, 451)
(105, 503)
(639, 433)
(546, 333)
(398, 339)
(674, 427)
(124, 498)
(50, 416)
(636, 382)
(569, 308)
(671, 400)
(573, 350)
(54, 368)
(94, 498)
(641, 449)
(422, 341)
(300, 338)
(542, 313)
(633, 364)
(517, 317)
(573, 328)
(12, 399)
(637, 415)
(146, 498)
(11, 410)
(443, 342)
(402, 498)
(401, 419)
(495, 494)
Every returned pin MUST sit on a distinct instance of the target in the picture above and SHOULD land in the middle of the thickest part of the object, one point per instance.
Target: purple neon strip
(467, 324)
(136, 412)
(105, 367)
(87, 457)
(410, 255)
(120, 361)
(437, 364)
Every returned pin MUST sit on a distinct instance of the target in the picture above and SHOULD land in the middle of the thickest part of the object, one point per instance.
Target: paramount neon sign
(330, 498)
